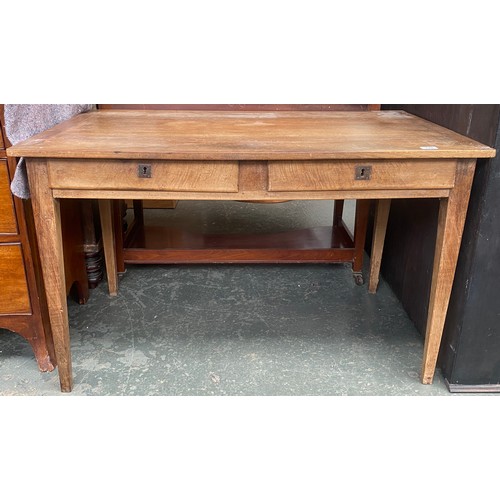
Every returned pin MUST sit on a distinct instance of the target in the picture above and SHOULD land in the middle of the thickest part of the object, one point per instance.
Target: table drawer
(14, 297)
(196, 176)
(365, 174)
(8, 223)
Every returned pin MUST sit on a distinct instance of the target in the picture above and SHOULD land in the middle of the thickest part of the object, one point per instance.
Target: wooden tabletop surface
(233, 135)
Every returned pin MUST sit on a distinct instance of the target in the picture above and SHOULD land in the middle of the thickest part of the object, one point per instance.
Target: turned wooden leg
(47, 219)
(379, 230)
(452, 213)
(360, 225)
(108, 242)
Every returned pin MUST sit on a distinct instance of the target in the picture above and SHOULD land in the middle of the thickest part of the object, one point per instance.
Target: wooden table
(189, 155)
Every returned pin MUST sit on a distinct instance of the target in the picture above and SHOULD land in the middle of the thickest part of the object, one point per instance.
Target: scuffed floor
(232, 330)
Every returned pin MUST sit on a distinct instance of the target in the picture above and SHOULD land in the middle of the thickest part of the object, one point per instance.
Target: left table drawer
(173, 176)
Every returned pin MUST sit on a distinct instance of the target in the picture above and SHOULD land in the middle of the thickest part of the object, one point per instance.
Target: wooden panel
(218, 177)
(7, 216)
(247, 107)
(243, 135)
(159, 244)
(330, 176)
(3, 142)
(257, 196)
(14, 296)
(153, 204)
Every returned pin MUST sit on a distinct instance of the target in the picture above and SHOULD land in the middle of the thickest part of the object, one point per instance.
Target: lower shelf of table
(158, 245)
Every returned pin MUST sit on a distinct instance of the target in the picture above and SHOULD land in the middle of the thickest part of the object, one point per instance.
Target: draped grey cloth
(25, 120)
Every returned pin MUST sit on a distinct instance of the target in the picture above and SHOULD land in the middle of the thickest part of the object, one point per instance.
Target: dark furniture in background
(470, 350)
(22, 301)
(23, 307)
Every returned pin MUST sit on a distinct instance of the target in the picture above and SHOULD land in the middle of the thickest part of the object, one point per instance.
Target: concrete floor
(234, 329)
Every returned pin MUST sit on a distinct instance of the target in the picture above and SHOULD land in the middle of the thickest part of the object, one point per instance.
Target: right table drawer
(319, 175)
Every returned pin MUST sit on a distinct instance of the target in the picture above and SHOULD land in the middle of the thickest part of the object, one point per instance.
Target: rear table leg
(379, 230)
(360, 226)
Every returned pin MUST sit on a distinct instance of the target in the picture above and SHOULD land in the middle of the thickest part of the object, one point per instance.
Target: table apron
(315, 179)
(250, 196)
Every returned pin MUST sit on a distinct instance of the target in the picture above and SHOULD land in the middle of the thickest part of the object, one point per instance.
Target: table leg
(452, 213)
(119, 232)
(360, 225)
(108, 242)
(379, 230)
(338, 212)
(47, 219)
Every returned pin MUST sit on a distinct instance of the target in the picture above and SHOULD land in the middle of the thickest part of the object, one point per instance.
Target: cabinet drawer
(346, 175)
(7, 215)
(14, 297)
(197, 176)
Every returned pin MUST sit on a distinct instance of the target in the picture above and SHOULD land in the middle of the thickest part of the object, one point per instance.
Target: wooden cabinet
(8, 223)
(14, 298)
(22, 307)
(22, 298)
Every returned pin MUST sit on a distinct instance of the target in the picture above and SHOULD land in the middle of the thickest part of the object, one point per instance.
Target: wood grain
(452, 213)
(165, 176)
(252, 195)
(232, 256)
(46, 213)
(361, 222)
(154, 204)
(106, 216)
(340, 175)
(14, 296)
(73, 244)
(379, 230)
(157, 244)
(7, 216)
(231, 135)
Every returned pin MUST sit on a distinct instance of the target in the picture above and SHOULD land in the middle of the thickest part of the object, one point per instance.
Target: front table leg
(452, 213)
(47, 218)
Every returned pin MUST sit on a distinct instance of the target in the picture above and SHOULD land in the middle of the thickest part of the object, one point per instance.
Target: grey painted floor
(234, 329)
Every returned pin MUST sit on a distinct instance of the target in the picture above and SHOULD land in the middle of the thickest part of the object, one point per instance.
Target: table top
(233, 135)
